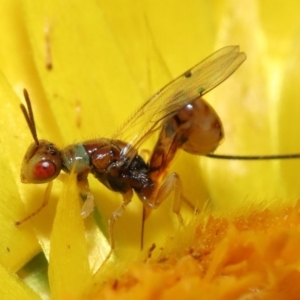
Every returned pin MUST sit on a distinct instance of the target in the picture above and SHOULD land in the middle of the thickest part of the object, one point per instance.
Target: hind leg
(171, 183)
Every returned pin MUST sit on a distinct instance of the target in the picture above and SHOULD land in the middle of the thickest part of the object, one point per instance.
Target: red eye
(44, 169)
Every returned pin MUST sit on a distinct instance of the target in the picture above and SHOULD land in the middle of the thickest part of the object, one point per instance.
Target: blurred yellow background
(107, 58)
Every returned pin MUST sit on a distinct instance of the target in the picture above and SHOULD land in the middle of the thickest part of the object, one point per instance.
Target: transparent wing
(191, 85)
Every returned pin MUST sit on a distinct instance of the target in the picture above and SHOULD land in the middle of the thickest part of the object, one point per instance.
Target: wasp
(183, 119)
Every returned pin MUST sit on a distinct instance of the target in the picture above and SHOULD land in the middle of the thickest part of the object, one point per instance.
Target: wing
(191, 85)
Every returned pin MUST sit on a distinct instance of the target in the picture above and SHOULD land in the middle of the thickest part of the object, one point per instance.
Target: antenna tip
(25, 93)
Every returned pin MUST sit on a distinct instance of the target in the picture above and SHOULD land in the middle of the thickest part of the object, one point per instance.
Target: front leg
(45, 202)
(83, 185)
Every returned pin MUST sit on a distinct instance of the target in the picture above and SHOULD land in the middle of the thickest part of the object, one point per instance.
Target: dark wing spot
(169, 129)
(200, 91)
(188, 74)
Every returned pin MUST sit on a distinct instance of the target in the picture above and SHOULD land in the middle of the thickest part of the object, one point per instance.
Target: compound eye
(44, 170)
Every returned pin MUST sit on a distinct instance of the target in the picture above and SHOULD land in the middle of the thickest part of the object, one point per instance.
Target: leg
(88, 206)
(190, 205)
(45, 202)
(172, 182)
(115, 215)
(83, 185)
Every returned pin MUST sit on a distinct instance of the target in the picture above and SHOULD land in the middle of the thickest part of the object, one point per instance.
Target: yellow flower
(87, 66)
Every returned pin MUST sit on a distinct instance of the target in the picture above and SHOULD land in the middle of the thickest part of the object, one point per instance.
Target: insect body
(185, 122)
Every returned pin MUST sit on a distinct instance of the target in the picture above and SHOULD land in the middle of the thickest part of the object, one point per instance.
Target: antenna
(28, 114)
(254, 157)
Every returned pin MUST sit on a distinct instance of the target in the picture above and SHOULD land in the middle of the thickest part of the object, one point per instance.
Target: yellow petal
(14, 288)
(18, 243)
(69, 271)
